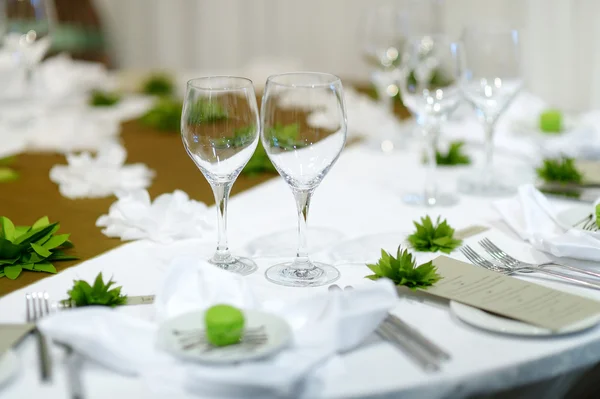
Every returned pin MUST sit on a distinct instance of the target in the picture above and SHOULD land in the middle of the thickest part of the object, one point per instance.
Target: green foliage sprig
(7, 174)
(158, 85)
(285, 136)
(99, 294)
(166, 114)
(101, 98)
(32, 248)
(561, 170)
(454, 156)
(403, 270)
(431, 237)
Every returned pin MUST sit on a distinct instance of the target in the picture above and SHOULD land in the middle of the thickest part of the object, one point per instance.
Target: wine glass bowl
(219, 130)
(490, 81)
(302, 154)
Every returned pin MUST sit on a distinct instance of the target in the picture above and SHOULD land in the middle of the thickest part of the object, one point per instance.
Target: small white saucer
(182, 337)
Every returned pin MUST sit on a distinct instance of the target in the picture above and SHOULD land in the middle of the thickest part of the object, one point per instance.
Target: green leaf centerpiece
(101, 98)
(99, 294)
(561, 170)
(158, 85)
(285, 136)
(7, 174)
(454, 156)
(166, 114)
(32, 248)
(403, 270)
(430, 237)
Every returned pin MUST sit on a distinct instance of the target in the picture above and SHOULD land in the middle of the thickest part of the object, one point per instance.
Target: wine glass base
(486, 186)
(239, 265)
(439, 200)
(286, 274)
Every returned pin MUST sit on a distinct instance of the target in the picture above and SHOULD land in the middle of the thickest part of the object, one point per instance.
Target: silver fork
(503, 269)
(36, 307)
(509, 261)
(588, 223)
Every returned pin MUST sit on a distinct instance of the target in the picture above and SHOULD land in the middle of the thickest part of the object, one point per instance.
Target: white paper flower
(171, 216)
(106, 174)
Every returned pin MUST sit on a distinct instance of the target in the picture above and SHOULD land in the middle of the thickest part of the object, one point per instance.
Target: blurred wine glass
(27, 33)
(303, 155)
(219, 130)
(490, 81)
(430, 72)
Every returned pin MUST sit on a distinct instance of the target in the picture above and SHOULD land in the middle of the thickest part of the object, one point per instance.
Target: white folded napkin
(533, 218)
(322, 325)
(169, 217)
(105, 174)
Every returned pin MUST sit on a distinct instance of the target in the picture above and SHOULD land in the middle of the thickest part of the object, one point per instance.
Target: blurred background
(561, 49)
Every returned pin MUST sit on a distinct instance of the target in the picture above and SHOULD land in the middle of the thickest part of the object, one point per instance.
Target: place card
(510, 297)
(140, 300)
(11, 334)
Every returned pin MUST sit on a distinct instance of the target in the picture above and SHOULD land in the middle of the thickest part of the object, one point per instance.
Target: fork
(509, 261)
(36, 307)
(588, 223)
(503, 269)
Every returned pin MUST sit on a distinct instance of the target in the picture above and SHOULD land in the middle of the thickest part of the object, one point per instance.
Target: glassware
(429, 84)
(219, 129)
(27, 33)
(490, 81)
(302, 155)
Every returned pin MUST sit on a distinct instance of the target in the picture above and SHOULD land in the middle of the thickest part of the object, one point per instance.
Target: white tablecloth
(360, 196)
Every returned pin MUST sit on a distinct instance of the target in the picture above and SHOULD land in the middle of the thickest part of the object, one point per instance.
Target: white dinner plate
(8, 366)
(177, 336)
(574, 215)
(488, 321)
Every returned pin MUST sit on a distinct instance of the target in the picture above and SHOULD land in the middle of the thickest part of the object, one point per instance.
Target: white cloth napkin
(533, 218)
(169, 217)
(322, 325)
(87, 176)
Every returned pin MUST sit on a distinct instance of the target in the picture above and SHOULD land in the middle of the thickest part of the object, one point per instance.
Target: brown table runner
(34, 195)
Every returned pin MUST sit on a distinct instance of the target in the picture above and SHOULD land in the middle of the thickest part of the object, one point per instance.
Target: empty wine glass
(27, 33)
(429, 84)
(302, 154)
(219, 129)
(490, 81)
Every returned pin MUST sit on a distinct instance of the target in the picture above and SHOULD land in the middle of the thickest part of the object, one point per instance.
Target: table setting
(149, 245)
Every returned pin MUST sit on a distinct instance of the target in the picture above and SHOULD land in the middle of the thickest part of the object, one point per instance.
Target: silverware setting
(588, 223)
(502, 268)
(37, 305)
(409, 340)
(251, 339)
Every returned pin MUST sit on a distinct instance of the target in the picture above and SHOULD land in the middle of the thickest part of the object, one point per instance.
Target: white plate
(574, 215)
(488, 321)
(276, 331)
(8, 366)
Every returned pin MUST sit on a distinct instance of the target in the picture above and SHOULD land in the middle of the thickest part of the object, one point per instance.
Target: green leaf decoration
(101, 98)
(403, 270)
(158, 85)
(454, 156)
(8, 175)
(164, 116)
(430, 237)
(206, 111)
(561, 170)
(31, 248)
(8, 229)
(6, 161)
(12, 271)
(99, 294)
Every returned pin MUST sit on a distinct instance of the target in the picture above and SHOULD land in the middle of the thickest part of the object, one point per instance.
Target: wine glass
(430, 89)
(219, 129)
(490, 81)
(302, 154)
(27, 33)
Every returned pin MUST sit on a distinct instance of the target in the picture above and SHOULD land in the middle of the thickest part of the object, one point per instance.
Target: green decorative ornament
(224, 325)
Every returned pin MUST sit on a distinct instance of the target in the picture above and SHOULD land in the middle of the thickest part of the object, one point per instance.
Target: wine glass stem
(302, 261)
(221, 193)
(431, 132)
(489, 152)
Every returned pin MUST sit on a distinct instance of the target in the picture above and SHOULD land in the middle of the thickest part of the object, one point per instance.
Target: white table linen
(361, 196)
